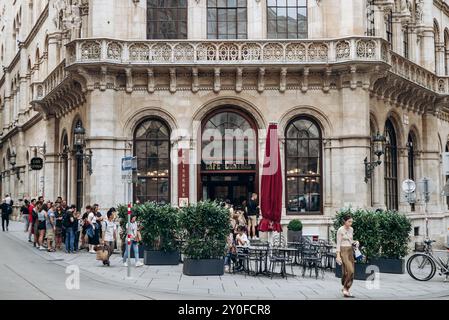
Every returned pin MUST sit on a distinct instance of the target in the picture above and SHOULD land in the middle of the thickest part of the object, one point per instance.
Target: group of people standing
(50, 224)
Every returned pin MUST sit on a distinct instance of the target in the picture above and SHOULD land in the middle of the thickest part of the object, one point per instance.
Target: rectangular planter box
(396, 266)
(161, 258)
(294, 236)
(360, 271)
(203, 267)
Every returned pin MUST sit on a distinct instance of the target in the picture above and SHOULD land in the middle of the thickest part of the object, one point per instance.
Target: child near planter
(231, 251)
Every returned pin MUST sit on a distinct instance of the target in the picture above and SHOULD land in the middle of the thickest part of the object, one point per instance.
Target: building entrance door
(236, 187)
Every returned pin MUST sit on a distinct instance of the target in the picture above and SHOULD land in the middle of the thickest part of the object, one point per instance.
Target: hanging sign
(37, 163)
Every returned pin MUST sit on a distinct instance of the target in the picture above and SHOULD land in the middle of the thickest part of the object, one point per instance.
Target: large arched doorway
(229, 156)
(152, 149)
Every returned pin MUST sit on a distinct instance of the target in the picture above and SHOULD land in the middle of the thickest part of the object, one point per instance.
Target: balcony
(42, 89)
(226, 52)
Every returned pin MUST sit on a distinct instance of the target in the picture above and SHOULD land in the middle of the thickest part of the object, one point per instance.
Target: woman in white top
(109, 235)
(345, 254)
(133, 229)
(92, 221)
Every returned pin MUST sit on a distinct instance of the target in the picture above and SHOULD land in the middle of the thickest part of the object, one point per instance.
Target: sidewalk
(169, 279)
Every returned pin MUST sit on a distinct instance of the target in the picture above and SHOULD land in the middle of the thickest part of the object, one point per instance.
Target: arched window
(227, 19)
(436, 31)
(167, 19)
(405, 42)
(391, 167)
(446, 51)
(228, 156)
(304, 159)
(152, 149)
(389, 28)
(411, 150)
(79, 174)
(287, 19)
(370, 26)
(65, 166)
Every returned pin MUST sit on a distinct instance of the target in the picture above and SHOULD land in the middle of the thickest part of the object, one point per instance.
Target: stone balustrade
(54, 79)
(227, 52)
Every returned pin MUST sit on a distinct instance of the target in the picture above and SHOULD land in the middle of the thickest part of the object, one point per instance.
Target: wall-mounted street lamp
(378, 147)
(12, 161)
(79, 144)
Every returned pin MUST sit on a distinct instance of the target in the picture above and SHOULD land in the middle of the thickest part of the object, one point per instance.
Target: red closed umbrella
(271, 188)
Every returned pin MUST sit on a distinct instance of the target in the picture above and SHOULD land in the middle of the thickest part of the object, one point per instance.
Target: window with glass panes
(303, 155)
(287, 19)
(152, 149)
(370, 28)
(389, 28)
(167, 19)
(411, 161)
(391, 167)
(406, 49)
(227, 19)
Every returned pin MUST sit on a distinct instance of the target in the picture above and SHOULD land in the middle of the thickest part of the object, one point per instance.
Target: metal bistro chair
(312, 260)
(242, 256)
(279, 258)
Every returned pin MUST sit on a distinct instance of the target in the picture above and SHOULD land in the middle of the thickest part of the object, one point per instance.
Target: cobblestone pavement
(170, 280)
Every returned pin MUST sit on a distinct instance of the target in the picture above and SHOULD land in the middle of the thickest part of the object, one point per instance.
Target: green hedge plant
(160, 226)
(295, 225)
(381, 234)
(205, 227)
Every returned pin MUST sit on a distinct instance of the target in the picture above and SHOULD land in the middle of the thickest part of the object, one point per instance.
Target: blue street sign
(129, 163)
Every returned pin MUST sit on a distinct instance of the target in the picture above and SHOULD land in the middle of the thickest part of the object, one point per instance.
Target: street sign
(408, 186)
(37, 163)
(129, 163)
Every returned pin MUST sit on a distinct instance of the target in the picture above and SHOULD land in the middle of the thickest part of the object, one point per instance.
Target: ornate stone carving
(139, 52)
(343, 50)
(90, 50)
(295, 52)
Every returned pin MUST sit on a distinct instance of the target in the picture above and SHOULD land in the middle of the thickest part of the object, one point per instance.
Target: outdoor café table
(297, 246)
(285, 252)
(261, 253)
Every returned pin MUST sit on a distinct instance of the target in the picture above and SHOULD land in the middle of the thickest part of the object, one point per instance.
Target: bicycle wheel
(421, 267)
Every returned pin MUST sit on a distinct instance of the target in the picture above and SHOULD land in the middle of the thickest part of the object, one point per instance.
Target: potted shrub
(294, 232)
(123, 220)
(366, 232)
(206, 226)
(394, 232)
(160, 230)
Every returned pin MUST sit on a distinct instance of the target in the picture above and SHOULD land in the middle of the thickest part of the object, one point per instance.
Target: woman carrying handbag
(345, 254)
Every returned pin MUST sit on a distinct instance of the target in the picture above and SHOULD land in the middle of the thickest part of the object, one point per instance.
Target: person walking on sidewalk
(133, 229)
(6, 212)
(345, 254)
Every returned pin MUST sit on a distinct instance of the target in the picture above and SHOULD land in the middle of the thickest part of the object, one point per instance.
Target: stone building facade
(147, 78)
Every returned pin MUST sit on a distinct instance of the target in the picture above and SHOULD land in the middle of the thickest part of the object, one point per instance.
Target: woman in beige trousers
(345, 254)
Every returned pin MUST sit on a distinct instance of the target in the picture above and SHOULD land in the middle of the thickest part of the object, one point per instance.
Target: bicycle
(423, 266)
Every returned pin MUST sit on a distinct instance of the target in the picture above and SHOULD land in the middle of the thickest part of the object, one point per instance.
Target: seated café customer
(241, 240)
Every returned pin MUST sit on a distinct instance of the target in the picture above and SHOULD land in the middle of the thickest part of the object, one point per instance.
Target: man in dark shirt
(253, 212)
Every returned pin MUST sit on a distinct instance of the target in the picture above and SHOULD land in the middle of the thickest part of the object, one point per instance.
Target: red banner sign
(183, 177)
